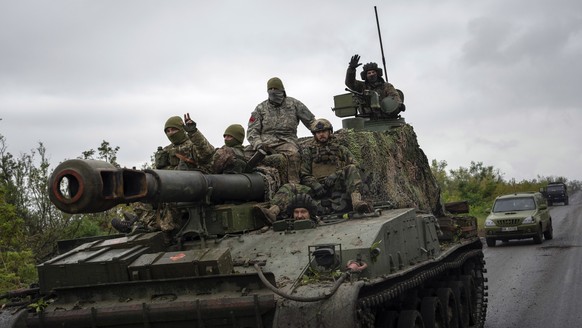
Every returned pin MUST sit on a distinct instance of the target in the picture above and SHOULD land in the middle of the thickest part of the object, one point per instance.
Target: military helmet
(174, 122)
(302, 201)
(370, 67)
(236, 131)
(275, 83)
(321, 124)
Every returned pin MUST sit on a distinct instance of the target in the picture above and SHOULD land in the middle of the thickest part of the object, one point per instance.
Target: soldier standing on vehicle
(273, 125)
(373, 84)
(330, 170)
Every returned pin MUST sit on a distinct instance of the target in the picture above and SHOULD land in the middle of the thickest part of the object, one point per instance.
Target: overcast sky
(496, 81)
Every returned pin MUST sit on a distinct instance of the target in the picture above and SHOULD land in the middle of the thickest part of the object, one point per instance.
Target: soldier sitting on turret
(329, 173)
(374, 86)
(189, 150)
(331, 170)
(230, 158)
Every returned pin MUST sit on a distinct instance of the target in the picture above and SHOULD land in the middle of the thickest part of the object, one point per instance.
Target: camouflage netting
(395, 168)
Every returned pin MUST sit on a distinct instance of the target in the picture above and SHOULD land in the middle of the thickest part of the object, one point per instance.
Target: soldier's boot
(271, 212)
(129, 217)
(122, 226)
(359, 205)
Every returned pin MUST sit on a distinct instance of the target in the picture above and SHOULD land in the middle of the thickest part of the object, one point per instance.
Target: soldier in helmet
(330, 170)
(282, 199)
(273, 125)
(302, 207)
(373, 83)
(188, 150)
(230, 158)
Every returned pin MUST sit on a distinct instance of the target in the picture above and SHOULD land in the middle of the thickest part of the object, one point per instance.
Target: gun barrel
(87, 186)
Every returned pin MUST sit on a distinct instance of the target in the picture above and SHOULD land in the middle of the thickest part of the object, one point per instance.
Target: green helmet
(236, 131)
(180, 136)
(275, 83)
(174, 122)
(321, 124)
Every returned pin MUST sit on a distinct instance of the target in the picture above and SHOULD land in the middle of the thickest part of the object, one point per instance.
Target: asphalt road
(538, 286)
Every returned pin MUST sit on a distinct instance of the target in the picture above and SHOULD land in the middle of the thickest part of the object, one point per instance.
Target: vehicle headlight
(529, 220)
(489, 223)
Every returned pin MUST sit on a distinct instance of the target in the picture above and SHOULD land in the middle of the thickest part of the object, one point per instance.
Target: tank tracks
(450, 293)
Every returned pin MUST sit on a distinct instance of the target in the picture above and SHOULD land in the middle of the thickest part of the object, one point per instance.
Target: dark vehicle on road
(519, 216)
(556, 192)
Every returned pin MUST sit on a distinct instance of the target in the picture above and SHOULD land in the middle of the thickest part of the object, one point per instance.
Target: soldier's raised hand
(355, 61)
(189, 124)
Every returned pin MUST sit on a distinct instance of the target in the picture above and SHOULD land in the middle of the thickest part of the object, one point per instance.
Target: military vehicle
(519, 216)
(556, 192)
(228, 267)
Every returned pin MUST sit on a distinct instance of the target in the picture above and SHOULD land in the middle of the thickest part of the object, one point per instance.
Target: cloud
(490, 82)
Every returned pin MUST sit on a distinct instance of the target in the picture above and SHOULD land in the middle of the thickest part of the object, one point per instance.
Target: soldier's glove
(355, 62)
(330, 180)
(189, 124)
(319, 190)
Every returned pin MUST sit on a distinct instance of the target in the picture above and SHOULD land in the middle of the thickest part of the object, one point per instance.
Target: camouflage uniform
(229, 160)
(331, 166)
(188, 151)
(285, 194)
(276, 126)
(384, 89)
(331, 170)
(194, 152)
(375, 90)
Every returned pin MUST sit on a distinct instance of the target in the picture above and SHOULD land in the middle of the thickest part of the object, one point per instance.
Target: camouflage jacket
(229, 160)
(193, 154)
(384, 89)
(321, 160)
(275, 125)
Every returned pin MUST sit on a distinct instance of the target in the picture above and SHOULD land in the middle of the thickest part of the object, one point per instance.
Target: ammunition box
(154, 240)
(233, 219)
(88, 267)
(344, 105)
(191, 263)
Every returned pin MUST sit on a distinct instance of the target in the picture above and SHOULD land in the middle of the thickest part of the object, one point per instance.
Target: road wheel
(432, 312)
(549, 233)
(410, 319)
(387, 319)
(490, 242)
(462, 300)
(538, 238)
(449, 304)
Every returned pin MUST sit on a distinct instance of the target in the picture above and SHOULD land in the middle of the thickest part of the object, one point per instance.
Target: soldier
(283, 199)
(302, 207)
(374, 82)
(189, 150)
(331, 171)
(273, 124)
(230, 158)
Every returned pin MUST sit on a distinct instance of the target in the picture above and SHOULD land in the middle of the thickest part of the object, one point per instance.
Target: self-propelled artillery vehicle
(228, 267)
